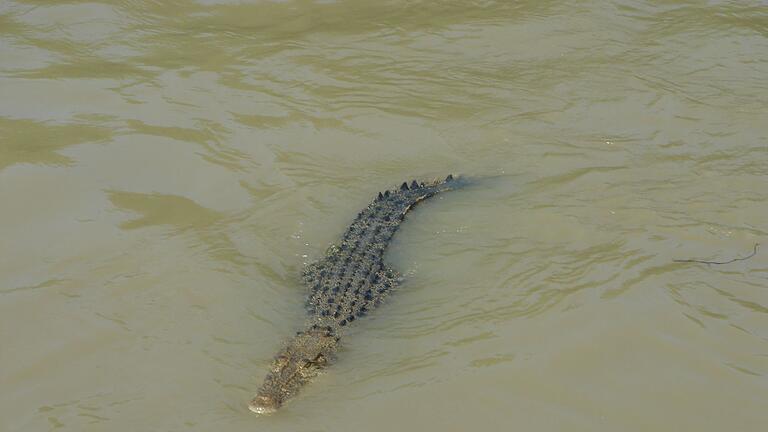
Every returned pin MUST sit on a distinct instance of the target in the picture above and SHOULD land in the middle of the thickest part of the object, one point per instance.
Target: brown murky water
(167, 167)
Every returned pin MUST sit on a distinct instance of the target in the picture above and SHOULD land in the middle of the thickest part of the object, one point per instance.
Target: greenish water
(166, 168)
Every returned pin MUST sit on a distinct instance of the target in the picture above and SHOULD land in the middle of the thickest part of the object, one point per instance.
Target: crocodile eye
(317, 362)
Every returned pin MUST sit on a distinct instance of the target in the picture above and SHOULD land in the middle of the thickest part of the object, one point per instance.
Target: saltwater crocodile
(351, 280)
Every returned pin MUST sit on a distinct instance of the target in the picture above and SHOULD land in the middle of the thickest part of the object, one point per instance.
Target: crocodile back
(352, 278)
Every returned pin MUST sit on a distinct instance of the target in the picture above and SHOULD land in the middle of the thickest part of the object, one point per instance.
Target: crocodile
(350, 281)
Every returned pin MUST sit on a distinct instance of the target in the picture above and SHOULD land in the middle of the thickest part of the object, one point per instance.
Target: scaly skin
(349, 282)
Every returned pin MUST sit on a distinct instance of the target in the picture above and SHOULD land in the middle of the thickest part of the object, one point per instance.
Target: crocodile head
(303, 358)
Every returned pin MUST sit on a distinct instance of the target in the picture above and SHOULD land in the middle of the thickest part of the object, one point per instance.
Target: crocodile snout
(263, 405)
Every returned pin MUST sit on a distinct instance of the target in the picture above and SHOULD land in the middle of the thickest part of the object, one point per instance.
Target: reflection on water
(166, 168)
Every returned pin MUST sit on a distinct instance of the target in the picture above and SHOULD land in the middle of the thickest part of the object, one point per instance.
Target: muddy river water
(168, 167)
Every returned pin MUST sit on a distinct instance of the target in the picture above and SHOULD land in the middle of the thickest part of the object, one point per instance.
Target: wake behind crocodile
(350, 281)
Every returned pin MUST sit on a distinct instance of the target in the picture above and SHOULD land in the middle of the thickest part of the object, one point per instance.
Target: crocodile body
(350, 281)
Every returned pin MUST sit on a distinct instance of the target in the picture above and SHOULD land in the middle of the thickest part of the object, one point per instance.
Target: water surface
(166, 169)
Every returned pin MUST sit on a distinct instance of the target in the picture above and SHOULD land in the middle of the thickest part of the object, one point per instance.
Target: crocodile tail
(396, 203)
